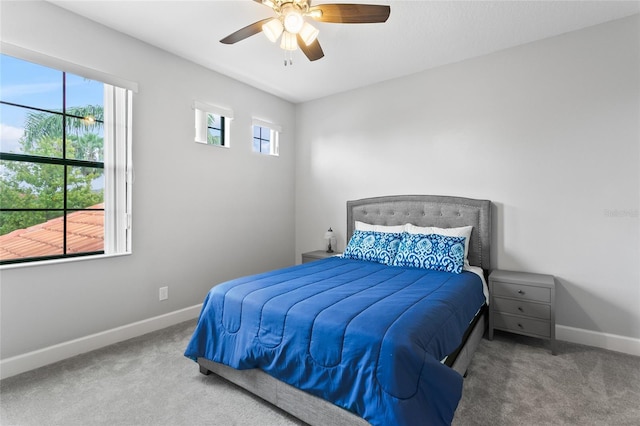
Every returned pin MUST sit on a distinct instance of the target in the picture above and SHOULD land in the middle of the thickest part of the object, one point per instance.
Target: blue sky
(37, 86)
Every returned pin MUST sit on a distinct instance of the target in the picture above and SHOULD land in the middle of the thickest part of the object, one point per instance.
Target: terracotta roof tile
(85, 233)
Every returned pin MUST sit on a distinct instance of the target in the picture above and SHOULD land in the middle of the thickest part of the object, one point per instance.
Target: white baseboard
(41, 357)
(613, 342)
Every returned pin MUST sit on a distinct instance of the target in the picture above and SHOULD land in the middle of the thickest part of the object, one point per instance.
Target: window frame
(202, 112)
(274, 137)
(116, 162)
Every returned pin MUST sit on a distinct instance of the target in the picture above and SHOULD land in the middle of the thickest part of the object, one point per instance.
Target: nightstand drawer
(521, 307)
(519, 291)
(317, 255)
(521, 325)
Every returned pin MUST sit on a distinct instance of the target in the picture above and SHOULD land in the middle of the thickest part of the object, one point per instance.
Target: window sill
(211, 144)
(59, 261)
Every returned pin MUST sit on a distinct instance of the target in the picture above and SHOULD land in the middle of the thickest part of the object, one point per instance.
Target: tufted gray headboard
(429, 210)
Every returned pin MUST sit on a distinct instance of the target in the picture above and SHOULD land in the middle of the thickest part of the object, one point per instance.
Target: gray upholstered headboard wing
(429, 210)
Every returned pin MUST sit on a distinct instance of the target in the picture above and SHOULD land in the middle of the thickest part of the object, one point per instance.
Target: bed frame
(420, 210)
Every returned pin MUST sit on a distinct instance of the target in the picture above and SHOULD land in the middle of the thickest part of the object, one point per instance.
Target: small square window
(212, 124)
(265, 140)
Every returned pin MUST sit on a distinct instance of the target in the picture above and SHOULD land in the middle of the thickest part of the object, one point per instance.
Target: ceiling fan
(297, 33)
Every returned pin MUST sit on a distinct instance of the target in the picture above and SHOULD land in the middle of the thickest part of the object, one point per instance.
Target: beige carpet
(146, 381)
(514, 380)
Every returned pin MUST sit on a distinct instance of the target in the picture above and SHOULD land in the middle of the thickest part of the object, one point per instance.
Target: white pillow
(463, 231)
(361, 226)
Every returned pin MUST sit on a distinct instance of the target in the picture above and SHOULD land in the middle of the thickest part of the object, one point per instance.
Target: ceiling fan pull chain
(289, 60)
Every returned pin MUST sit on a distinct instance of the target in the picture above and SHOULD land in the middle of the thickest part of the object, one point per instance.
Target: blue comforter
(366, 336)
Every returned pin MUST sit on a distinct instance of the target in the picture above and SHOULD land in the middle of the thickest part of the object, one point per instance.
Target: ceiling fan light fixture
(308, 33)
(288, 41)
(273, 29)
(293, 20)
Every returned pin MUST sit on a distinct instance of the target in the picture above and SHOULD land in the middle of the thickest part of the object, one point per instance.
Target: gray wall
(549, 131)
(201, 214)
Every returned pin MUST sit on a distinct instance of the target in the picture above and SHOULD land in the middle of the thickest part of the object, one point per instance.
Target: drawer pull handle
(520, 309)
(520, 292)
(520, 325)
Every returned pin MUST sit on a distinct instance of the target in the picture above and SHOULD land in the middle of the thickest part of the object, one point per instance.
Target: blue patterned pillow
(433, 251)
(373, 246)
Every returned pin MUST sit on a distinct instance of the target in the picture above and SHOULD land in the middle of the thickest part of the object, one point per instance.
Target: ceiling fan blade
(245, 32)
(352, 13)
(313, 51)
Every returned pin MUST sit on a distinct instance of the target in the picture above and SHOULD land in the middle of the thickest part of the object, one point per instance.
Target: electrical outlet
(164, 293)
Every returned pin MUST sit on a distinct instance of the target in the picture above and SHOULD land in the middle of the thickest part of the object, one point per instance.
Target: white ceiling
(418, 35)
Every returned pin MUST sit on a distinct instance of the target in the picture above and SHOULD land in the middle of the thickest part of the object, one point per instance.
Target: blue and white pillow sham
(433, 251)
(463, 231)
(373, 246)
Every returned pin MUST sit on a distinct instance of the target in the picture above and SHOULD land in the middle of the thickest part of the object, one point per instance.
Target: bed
(355, 341)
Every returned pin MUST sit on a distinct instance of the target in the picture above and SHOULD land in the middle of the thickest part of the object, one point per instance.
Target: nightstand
(317, 255)
(523, 303)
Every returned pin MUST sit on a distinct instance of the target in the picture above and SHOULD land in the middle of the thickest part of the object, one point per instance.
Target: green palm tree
(82, 120)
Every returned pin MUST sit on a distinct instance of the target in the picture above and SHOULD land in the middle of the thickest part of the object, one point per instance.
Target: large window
(64, 162)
